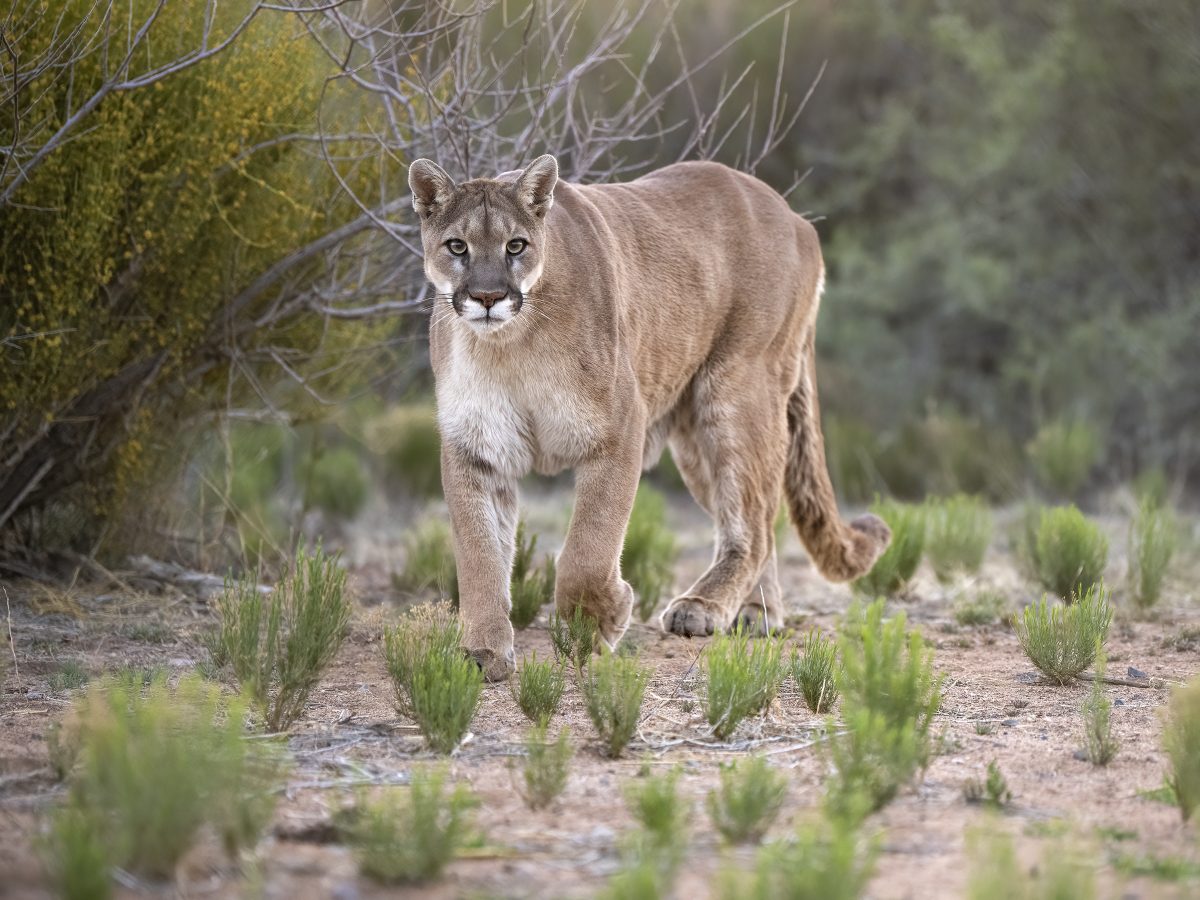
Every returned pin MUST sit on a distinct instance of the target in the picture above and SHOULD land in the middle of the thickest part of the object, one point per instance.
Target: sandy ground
(996, 708)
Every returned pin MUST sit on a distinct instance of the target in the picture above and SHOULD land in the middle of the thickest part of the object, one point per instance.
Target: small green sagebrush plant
(76, 855)
(531, 587)
(424, 630)
(69, 676)
(1153, 538)
(748, 801)
(411, 839)
(547, 763)
(436, 684)
(407, 439)
(649, 552)
(992, 791)
(278, 646)
(1062, 641)
(574, 638)
(899, 562)
(742, 677)
(538, 688)
(1098, 742)
(655, 849)
(1071, 552)
(1062, 454)
(1181, 740)
(153, 768)
(826, 860)
(959, 529)
(429, 563)
(814, 668)
(335, 482)
(890, 695)
(663, 818)
(613, 687)
(996, 874)
(980, 608)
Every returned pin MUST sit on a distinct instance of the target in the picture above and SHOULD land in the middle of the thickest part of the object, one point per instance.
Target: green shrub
(425, 630)
(279, 646)
(436, 684)
(546, 766)
(663, 818)
(613, 687)
(1181, 740)
(1071, 552)
(1062, 641)
(958, 531)
(898, 563)
(827, 860)
(429, 560)
(748, 801)
(408, 840)
(992, 791)
(996, 874)
(1153, 538)
(538, 688)
(981, 608)
(76, 855)
(1151, 487)
(69, 676)
(150, 230)
(642, 881)
(1063, 454)
(1098, 741)
(649, 551)
(531, 588)
(742, 677)
(1025, 542)
(407, 439)
(154, 768)
(335, 482)
(889, 698)
(815, 671)
(574, 639)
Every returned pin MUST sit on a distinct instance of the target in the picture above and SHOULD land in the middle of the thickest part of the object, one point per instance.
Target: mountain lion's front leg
(589, 567)
(483, 517)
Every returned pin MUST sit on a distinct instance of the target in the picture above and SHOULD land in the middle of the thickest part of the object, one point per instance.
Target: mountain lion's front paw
(491, 646)
(496, 666)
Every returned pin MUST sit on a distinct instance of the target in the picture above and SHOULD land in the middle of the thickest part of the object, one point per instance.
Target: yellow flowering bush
(126, 258)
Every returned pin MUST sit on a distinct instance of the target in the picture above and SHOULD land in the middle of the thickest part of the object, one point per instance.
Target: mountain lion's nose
(488, 298)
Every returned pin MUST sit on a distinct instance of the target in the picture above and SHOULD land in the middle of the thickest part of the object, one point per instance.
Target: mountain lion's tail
(841, 551)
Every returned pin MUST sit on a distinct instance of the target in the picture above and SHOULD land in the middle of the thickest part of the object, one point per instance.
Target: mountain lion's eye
(516, 245)
(457, 247)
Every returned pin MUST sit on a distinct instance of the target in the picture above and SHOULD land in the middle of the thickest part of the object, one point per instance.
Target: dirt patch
(351, 739)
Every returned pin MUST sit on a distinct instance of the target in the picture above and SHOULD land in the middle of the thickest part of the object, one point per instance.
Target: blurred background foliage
(1008, 196)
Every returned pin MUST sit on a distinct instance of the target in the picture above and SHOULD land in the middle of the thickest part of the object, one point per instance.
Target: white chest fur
(517, 415)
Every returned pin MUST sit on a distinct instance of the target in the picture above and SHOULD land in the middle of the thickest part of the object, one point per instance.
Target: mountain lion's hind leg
(762, 611)
(741, 427)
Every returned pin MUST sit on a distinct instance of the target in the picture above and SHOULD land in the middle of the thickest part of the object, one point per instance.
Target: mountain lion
(587, 327)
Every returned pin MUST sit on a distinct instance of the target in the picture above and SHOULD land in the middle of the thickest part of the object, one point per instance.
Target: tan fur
(679, 308)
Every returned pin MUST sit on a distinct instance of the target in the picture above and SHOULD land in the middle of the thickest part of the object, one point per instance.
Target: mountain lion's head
(483, 239)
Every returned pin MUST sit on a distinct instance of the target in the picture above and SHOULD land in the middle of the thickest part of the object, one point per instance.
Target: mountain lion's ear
(430, 186)
(535, 187)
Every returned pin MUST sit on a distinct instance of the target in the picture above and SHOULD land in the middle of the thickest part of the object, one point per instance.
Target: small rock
(1118, 702)
(345, 891)
(1010, 723)
(1135, 673)
(1079, 754)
